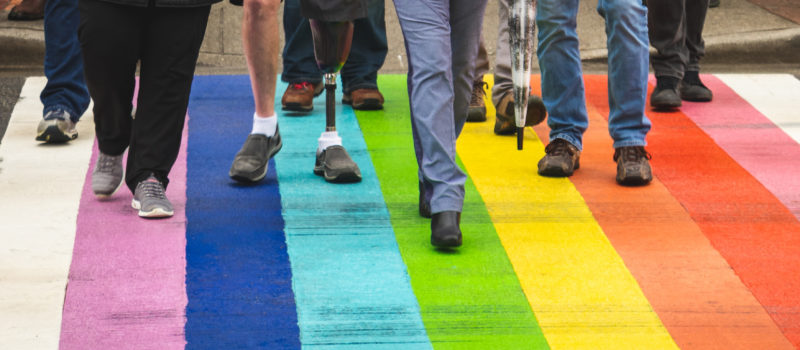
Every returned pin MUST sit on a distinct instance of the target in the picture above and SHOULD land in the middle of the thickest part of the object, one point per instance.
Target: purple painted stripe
(126, 284)
(750, 138)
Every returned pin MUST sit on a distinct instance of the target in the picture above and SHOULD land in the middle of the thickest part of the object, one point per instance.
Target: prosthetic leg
(331, 46)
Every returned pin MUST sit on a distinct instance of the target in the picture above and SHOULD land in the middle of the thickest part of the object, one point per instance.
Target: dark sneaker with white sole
(107, 175)
(56, 127)
(151, 201)
(561, 159)
(633, 166)
(335, 165)
(250, 164)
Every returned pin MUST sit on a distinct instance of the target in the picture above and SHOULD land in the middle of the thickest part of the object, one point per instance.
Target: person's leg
(63, 67)
(692, 88)
(626, 28)
(260, 40)
(430, 84)
(477, 105)
(110, 58)
(466, 20)
(368, 50)
(667, 33)
(171, 45)
(299, 64)
(560, 64)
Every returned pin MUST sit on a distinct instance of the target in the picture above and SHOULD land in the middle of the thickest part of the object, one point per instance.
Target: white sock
(327, 139)
(264, 125)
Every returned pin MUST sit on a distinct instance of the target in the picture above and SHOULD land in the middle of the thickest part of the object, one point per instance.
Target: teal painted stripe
(351, 287)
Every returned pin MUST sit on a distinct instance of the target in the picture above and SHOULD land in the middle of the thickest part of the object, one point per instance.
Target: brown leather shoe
(364, 99)
(27, 10)
(300, 96)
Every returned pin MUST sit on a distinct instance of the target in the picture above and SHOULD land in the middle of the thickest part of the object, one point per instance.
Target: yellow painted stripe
(578, 287)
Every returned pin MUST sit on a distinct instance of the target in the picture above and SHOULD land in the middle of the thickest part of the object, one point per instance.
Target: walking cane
(520, 33)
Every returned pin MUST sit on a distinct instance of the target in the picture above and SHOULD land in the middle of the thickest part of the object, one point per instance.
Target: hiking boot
(445, 232)
(692, 89)
(56, 127)
(107, 175)
(633, 166)
(299, 97)
(505, 123)
(665, 95)
(364, 99)
(335, 165)
(151, 201)
(477, 106)
(27, 10)
(561, 159)
(250, 163)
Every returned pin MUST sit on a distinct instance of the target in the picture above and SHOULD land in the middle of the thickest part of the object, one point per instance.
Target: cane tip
(520, 137)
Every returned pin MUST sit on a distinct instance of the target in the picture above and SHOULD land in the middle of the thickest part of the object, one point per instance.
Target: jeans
(366, 57)
(562, 79)
(65, 88)
(441, 39)
(676, 31)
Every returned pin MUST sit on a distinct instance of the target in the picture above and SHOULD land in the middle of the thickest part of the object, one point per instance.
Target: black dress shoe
(424, 204)
(445, 232)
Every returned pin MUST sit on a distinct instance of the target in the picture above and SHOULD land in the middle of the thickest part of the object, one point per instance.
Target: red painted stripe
(126, 284)
(698, 298)
(755, 233)
(750, 138)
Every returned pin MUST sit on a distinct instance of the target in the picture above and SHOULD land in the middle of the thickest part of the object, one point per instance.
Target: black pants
(166, 43)
(675, 28)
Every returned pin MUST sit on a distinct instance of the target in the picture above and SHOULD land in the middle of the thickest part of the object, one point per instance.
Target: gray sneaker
(150, 199)
(56, 127)
(107, 175)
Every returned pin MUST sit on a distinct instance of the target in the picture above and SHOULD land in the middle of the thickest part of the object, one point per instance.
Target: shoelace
(105, 164)
(632, 154)
(558, 147)
(300, 86)
(478, 86)
(153, 189)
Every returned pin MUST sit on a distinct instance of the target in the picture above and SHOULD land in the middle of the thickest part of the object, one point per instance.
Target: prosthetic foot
(331, 46)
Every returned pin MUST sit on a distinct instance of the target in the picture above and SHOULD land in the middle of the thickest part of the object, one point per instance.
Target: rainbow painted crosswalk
(705, 257)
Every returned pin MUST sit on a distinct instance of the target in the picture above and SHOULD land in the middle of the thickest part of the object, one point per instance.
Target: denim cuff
(569, 138)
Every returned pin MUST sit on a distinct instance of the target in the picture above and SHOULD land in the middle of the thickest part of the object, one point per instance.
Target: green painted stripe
(470, 298)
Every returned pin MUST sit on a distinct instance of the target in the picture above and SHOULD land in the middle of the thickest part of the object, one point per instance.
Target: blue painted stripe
(350, 282)
(238, 276)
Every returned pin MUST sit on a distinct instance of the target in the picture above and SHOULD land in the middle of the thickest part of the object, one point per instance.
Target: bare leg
(260, 38)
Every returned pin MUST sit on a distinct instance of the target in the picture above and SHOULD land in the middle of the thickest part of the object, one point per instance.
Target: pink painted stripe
(127, 280)
(750, 138)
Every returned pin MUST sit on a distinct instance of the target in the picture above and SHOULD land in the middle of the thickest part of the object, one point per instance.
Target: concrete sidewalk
(737, 32)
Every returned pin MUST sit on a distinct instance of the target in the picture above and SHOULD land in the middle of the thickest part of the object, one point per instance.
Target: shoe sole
(558, 172)
(52, 134)
(633, 181)
(446, 243)
(296, 107)
(476, 114)
(155, 213)
(343, 177)
(259, 175)
(369, 104)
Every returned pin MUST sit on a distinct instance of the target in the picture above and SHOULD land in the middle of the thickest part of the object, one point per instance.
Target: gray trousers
(502, 60)
(675, 28)
(441, 38)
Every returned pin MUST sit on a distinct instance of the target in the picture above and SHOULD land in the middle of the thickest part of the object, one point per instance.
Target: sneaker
(561, 159)
(150, 200)
(299, 97)
(692, 89)
(250, 164)
(107, 175)
(335, 165)
(505, 123)
(477, 106)
(364, 99)
(56, 127)
(633, 166)
(665, 95)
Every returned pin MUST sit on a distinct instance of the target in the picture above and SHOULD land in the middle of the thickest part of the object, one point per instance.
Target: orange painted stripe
(756, 234)
(698, 298)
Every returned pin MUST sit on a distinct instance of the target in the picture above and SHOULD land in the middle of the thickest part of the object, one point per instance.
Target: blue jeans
(366, 54)
(63, 66)
(562, 78)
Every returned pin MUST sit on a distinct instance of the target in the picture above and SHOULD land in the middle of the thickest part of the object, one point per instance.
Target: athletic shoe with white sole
(151, 201)
(56, 127)
(107, 175)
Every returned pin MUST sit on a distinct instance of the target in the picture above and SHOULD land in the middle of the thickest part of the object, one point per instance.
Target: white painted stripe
(776, 96)
(40, 189)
